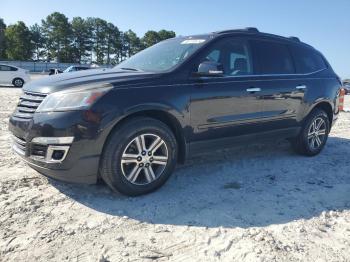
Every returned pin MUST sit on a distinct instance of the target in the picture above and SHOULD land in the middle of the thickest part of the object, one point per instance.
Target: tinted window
(234, 56)
(307, 60)
(14, 68)
(5, 68)
(272, 58)
(214, 56)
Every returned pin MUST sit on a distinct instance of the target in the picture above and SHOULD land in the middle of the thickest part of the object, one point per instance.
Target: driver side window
(233, 55)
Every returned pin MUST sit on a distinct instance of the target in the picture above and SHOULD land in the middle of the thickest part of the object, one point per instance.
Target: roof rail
(247, 29)
(294, 38)
(252, 29)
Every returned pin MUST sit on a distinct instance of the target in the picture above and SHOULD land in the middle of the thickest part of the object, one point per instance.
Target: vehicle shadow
(257, 185)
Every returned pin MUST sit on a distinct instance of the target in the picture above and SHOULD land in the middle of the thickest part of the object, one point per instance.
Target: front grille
(19, 145)
(27, 105)
(38, 150)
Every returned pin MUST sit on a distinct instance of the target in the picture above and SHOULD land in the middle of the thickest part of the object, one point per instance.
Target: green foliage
(132, 43)
(2, 39)
(153, 37)
(164, 34)
(58, 33)
(81, 40)
(150, 38)
(113, 41)
(18, 42)
(77, 41)
(37, 41)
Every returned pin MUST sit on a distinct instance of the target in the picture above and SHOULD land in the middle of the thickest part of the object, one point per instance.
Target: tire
(125, 141)
(303, 143)
(18, 82)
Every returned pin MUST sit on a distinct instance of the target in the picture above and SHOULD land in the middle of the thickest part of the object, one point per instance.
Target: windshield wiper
(129, 68)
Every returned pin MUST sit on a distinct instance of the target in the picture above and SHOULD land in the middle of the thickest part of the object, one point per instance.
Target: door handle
(254, 89)
(300, 87)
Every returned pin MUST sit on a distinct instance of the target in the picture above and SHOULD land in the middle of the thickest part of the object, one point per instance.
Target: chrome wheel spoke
(312, 128)
(321, 132)
(319, 124)
(317, 131)
(318, 141)
(149, 173)
(156, 144)
(138, 144)
(160, 160)
(129, 158)
(310, 135)
(143, 143)
(134, 174)
(313, 140)
(138, 163)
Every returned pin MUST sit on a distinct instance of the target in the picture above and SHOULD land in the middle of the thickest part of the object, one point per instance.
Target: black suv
(130, 125)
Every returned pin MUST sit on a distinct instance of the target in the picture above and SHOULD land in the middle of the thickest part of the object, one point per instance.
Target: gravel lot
(257, 203)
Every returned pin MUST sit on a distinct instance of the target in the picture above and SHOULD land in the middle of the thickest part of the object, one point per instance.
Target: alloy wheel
(317, 133)
(144, 159)
(18, 82)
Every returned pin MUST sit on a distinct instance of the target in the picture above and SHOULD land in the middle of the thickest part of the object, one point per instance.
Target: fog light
(57, 154)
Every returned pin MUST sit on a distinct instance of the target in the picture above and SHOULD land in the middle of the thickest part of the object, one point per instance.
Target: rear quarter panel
(321, 87)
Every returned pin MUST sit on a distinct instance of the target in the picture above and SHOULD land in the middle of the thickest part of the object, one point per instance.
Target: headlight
(73, 99)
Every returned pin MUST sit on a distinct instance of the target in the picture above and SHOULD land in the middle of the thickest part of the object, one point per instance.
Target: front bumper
(42, 142)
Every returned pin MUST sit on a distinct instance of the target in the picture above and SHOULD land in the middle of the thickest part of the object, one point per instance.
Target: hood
(64, 81)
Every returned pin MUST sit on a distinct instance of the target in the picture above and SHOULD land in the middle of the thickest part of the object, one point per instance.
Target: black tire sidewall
(116, 146)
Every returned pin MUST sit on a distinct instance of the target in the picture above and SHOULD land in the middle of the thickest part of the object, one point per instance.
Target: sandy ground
(257, 203)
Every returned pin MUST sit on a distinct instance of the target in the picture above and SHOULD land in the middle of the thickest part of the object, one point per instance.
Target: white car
(12, 75)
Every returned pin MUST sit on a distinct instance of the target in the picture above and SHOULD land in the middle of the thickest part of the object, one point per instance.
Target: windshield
(162, 56)
(68, 69)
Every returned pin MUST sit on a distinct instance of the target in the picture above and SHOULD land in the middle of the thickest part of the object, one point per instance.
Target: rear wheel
(18, 82)
(313, 135)
(139, 157)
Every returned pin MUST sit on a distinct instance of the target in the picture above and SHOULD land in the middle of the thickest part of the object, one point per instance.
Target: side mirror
(210, 68)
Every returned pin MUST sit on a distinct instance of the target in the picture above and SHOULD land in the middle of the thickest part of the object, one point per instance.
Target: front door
(228, 105)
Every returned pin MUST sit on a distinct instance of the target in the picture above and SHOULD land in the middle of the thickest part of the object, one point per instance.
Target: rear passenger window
(307, 60)
(5, 68)
(272, 58)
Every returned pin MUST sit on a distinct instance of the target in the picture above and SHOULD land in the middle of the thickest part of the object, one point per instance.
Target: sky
(324, 24)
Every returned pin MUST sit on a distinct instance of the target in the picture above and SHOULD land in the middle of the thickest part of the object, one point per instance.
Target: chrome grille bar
(27, 105)
(19, 145)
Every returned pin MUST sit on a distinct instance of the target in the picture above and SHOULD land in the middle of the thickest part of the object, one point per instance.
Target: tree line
(90, 40)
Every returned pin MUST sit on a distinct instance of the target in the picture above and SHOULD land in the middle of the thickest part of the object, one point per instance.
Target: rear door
(282, 92)
(5, 74)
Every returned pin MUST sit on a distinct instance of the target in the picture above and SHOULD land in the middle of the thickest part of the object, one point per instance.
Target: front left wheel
(139, 156)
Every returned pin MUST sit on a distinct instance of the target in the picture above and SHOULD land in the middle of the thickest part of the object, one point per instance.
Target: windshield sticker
(192, 41)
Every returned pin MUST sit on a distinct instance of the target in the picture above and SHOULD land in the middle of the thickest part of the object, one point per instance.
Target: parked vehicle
(75, 68)
(346, 87)
(54, 71)
(132, 124)
(12, 75)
